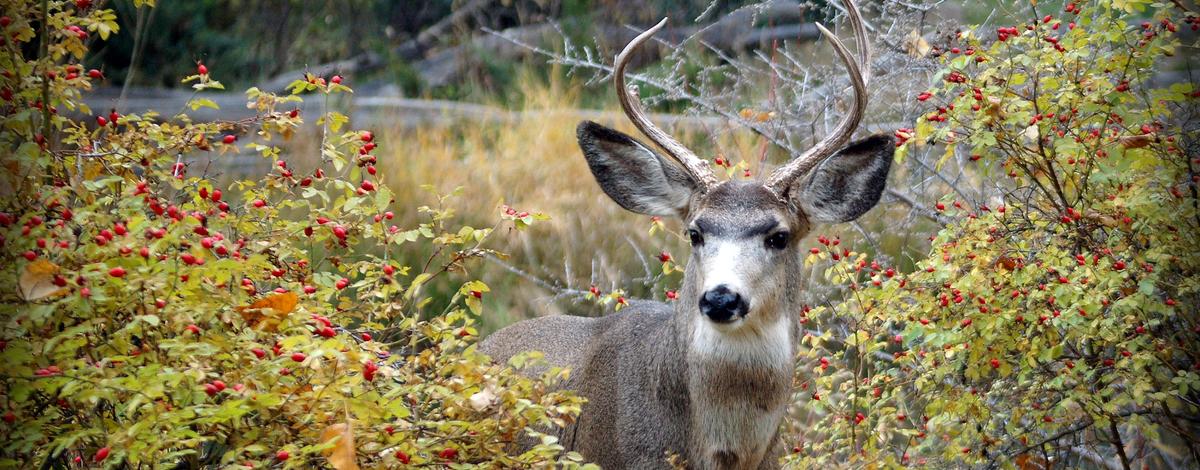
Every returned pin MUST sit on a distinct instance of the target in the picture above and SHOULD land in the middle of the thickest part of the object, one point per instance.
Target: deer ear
(637, 178)
(847, 184)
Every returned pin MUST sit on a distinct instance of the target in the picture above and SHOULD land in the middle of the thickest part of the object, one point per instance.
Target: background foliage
(926, 346)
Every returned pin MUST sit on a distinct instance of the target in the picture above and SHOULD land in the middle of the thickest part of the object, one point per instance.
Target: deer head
(746, 256)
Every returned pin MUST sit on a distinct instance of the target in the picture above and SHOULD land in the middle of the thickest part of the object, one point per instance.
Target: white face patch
(724, 264)
(746, 267)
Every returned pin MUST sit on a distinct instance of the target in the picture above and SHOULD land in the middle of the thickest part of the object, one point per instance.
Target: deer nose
(721, 305)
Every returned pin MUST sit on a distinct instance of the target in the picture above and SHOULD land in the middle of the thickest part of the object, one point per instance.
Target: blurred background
(485, 95)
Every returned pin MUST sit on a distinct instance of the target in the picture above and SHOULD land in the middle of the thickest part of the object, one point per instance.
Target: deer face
(745, 259)
(746, 250)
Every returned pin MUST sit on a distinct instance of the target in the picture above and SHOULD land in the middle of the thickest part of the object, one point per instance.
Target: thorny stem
(44, 58)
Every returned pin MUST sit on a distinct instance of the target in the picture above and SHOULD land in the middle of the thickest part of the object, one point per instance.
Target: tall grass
(534, 164)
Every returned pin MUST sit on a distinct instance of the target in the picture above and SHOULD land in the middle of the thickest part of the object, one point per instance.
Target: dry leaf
(916, 45)
(1007, 263)
(266, 313)
(1026, 462)
(37, 281)
(341, 455)
(481, 400)
(1031, 134)
(1136, 141)
(993, 111)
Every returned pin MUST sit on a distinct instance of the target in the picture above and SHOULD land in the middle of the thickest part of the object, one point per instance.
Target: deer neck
(738, 382)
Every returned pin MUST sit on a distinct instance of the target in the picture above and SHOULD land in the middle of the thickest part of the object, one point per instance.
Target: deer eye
(777, 241)
(697, 239)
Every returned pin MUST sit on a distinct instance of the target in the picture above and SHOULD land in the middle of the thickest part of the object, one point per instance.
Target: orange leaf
(341, 455)
(37, 281)
(1026, 462)
(267, 312)
(1007, 263)
(1136, 141)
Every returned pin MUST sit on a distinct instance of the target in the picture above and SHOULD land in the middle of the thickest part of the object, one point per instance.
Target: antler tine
(634, 110)
(801, 165)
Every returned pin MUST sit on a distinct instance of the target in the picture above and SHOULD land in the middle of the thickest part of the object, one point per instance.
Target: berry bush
(155, 314)
(1056, 326)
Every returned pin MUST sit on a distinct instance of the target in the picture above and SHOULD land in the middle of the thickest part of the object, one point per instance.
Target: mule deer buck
(709, 377)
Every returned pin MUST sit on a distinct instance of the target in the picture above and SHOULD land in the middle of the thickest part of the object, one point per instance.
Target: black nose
(720, 304)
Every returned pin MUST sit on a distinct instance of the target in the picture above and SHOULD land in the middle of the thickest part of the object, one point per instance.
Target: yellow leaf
(37, 281)
(341, 455)
(916, 45)
(267, 312)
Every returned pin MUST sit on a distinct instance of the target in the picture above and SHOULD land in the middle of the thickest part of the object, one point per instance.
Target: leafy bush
(1059, 325)
(152, 317)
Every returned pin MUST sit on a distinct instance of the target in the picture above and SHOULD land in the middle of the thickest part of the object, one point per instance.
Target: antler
(628, 97)
(801, 165)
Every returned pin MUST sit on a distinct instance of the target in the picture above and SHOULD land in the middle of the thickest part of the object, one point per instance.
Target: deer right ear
(637, 178)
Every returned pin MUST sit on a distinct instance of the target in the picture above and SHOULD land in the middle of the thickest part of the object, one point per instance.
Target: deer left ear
(847, 184)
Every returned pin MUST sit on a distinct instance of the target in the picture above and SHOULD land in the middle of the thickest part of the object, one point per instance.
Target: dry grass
(535, 164)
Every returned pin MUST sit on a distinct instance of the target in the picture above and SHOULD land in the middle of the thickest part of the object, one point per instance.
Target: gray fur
(662, 379)
(637, 178)
(849, 183)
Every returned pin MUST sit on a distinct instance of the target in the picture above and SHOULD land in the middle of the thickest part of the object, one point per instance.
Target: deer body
(708, 377)
(660, 378)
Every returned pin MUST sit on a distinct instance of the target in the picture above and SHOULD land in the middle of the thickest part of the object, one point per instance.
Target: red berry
(201, 69)
(101, 454)
(366, 336)
(298, 357)
(402, 457)
(281, 455)
(30, 255)
(193, 329)
(342, 283)
(259, 203)
(117, 272)
(229, 139)
(367, 136)
(448, 453)
(337, 79)
(95, 74)
(259, 353)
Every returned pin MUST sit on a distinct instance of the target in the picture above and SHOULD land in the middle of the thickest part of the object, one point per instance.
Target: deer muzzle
(722, 305)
